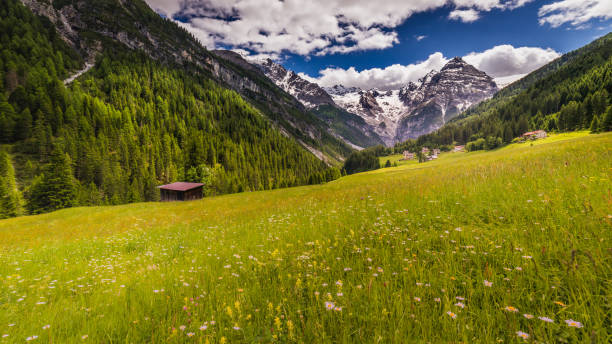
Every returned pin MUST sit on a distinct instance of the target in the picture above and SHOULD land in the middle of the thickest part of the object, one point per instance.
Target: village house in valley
(409, 155)
(534, 135)
(459, 149)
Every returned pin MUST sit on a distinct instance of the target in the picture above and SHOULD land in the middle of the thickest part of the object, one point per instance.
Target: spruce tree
(594, 124)
(606, 122)
(9, 194)
(56, 188)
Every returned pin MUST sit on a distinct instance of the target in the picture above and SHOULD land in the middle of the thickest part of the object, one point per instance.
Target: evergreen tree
(56, 188)
(10, 198)
(594, 127)
(606, 122)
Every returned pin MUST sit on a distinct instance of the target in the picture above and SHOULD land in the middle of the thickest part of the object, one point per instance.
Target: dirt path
(88, 66)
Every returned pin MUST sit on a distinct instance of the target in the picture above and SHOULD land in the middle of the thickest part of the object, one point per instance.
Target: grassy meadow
(507, 246)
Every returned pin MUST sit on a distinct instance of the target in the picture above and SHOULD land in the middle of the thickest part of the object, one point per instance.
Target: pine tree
(56, 188)
(594, 124)
(10, 198)
(606, 122)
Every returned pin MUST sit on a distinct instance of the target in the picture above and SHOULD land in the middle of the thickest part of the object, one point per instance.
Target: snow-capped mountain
(414, 110)
(395, 115)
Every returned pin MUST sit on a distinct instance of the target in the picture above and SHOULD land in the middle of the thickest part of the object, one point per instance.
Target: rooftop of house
(180, 186)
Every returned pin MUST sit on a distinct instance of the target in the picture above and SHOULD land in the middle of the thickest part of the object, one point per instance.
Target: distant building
(408, 155)
(181, 192)
(534, 135)
(425, 150)
(436, 151)
(459, 149)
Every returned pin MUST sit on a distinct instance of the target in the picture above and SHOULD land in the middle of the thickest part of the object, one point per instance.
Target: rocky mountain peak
(309, 94)
(419, 108)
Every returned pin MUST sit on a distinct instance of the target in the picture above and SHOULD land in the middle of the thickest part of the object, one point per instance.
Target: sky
(387, 43)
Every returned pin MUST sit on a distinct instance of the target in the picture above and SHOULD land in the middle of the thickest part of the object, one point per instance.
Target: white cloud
(309, 27)
(420, 37)
(504, 63)
(506, 60)
(466, 16)
(391, 77)
(575, 12)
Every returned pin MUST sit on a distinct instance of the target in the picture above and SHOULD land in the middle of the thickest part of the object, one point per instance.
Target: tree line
(131, 124)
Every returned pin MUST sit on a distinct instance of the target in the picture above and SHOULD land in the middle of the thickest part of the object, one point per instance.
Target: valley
(247, 171)
(445, 250)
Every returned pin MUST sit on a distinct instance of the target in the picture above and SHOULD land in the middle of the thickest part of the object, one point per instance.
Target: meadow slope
(477, 247)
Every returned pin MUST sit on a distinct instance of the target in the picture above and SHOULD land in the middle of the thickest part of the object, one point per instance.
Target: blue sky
(518, 27)
(367, 43)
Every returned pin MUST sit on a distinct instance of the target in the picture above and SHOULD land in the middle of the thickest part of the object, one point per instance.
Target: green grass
(396, 158)
(395, 249)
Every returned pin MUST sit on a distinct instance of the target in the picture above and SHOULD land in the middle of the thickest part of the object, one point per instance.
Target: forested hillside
(572, 93)
(125, 127)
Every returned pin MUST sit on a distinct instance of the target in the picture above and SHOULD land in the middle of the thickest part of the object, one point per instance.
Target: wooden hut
(181, 191)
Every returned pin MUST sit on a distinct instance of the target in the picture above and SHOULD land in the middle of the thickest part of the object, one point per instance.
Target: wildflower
(31, 338)
(573, 323)
(190, 334)
(487, 283)
(5, 335)
(545, 319)
(417, 299)
(46, 327)
(338, 309)
(460, 304)
(83, 337)
(528, 316)
(451, 314)
(340, 294)
(339, 283)
(203, 327)
(527, 257)
(236, 328)
(182, 327)
(511, 309)
(329, 305)
(522, 334)
(437, 299)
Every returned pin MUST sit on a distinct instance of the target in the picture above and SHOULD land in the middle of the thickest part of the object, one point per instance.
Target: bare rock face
(368, 103)
(308, 93)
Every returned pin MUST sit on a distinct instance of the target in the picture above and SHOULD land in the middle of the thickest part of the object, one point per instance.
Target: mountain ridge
(414, 110)
(135, 25)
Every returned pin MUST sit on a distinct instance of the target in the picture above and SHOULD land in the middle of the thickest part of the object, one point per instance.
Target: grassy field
(474, 247)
